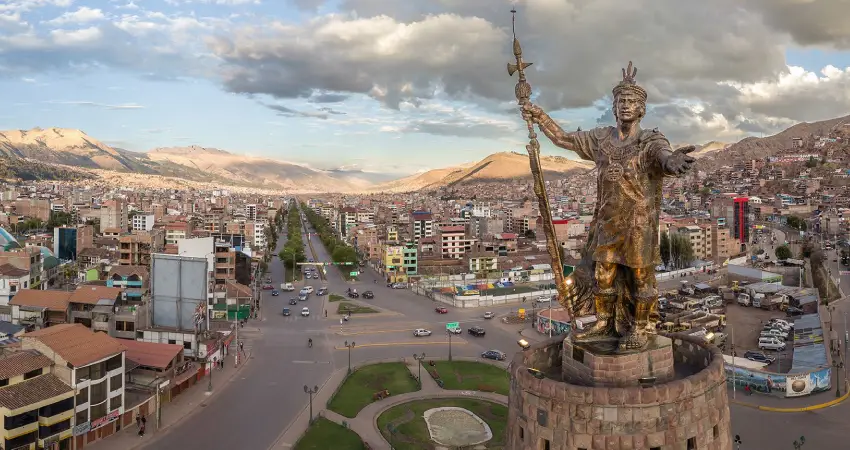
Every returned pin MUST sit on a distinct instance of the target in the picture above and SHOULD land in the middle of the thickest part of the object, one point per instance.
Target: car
(441, 310)
(454, 330)
(781, 321)
(353, 294)
(494, 354)
(305, 311)
(303, 297)
(293, 301)
(368, 294)
(267, 287)
(286, 311)
(308, 289)
(476, 331)
(771, 343)
(268, 280)
(275, 293)
(421, 332)
(489, 315)
(759, 357)
(322, 291)
(793, 311)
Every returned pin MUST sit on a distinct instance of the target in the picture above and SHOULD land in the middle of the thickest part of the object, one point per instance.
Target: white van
(287, 287)
(771, 343)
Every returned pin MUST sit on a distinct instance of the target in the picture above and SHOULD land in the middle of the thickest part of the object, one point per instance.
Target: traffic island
(335, 298)
(368, 384)
(451, 420)
(324, 434)
(352, 308)
(469, 376)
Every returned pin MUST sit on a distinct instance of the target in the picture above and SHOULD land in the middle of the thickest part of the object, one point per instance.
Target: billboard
(179, 287)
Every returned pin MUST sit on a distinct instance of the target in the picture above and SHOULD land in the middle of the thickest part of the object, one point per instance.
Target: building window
(116, 382)
(97, 371)
(57, 408)
(81, 417)
(121, 325)
(83, 373)
(4, 382)
(187, 345)
(692, 443)
(83, 397)
(33, 373)
(521, 433)
(98, 411)
(22, 441)
(56, 428)
(544, 444)
(113, 363)
(115, 403)
(98, 392)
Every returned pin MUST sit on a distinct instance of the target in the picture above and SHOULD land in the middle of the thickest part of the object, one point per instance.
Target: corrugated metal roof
(809, 344)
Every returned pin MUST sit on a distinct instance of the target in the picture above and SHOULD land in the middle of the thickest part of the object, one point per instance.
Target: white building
(259, 235)
(12, 280)
(143, 222)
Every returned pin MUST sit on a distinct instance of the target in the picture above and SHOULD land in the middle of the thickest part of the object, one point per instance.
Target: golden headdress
(629, 84)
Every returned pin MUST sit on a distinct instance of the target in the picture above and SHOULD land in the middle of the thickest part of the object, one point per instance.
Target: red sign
(97, 423)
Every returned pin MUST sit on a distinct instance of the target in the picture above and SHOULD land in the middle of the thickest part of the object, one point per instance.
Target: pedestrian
(144, 421)
(326, 314)
(138, 421)
(242, 347)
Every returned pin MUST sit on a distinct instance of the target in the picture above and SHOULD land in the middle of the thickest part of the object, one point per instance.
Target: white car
(305, 311)
(309, 289)
(489, 315)
(421, 332)
(455, 330)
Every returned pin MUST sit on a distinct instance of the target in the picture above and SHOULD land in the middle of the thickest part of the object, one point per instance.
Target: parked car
(286, 311)
(759, 357)
(793, 311)
(441, 310)
(783, 321)
(322, 291)
(275, 293)
(421, 332)
(476, 331)
(305, 311)
(293, 301)
(368, 294)
(771, 343)
(494, 354)
(455, 330)
(489, 315)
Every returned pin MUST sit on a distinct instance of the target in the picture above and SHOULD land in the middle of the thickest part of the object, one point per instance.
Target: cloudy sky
(407, 85)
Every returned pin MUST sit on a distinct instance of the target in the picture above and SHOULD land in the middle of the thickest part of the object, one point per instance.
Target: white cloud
(123, 106)
(76, 37)
(82, 15)
(30, 5)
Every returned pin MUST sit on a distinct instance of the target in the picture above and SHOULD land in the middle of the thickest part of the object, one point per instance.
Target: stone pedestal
(596, 364)
(688, 410)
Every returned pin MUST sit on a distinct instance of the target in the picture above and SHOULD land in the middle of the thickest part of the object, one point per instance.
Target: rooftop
(52, 300)
(90, 295)
(77, 344)
(151, 354)
(31, 391)
(19, 363)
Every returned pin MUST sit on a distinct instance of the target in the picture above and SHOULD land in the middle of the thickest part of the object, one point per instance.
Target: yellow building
(393, 266)
(37, 407)
(392, 233)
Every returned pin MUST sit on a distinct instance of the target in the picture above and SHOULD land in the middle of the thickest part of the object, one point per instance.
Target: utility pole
(734, 384)
(236, 325)
(450, 344)
(419, 359)
(311, 392)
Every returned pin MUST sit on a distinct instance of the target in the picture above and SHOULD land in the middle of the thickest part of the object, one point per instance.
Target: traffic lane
(823, 429)
(360, 355)
(392, 338)
(256, 405)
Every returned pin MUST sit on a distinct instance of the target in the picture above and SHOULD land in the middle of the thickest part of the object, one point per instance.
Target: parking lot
(744, 325)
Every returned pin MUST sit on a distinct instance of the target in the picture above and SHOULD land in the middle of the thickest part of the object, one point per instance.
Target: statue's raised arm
(548, 126)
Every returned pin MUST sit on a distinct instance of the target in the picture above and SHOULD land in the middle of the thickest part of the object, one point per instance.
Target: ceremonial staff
(523, 94)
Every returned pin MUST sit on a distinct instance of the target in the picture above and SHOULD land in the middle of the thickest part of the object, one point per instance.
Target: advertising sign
(798, 385)
(82, 428)
(111, 417)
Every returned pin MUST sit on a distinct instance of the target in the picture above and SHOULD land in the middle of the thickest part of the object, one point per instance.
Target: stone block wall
(691, 412)
(581, 364)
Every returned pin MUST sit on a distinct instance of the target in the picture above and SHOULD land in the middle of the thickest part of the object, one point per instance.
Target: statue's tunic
(628, 194)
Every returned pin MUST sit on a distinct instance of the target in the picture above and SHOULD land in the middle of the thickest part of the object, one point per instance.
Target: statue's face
(628, 107)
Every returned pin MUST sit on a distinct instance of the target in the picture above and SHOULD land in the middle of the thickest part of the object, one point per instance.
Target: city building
(423, 225)
(93, 365)
(113, 214)
(69, 241)
(37, 406)
(143, 222)
(453, 242)
(251, 212)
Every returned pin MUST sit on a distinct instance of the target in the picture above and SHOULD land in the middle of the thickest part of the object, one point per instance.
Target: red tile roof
(151, 354)
(91, 294)
(52, 300)
(77, 344)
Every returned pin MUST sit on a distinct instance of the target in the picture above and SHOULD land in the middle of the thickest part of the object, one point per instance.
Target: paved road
(260, 403)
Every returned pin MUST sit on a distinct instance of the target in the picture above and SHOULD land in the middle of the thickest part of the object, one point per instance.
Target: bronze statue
(618, 273)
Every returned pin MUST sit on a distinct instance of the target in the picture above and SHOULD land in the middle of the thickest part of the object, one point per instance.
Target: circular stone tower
(669, 396)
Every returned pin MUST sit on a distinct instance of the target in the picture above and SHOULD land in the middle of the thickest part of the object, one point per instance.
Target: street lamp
(799, 444)
(838, 365)
(419, 358)
(209, 364)
(309, 391)
(349, 347)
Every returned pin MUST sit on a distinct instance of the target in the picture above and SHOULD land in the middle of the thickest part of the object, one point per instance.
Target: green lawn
(411, 433)
(324, 434)
(471, 376)
(335, 298)
(352, 308)
(359, 388)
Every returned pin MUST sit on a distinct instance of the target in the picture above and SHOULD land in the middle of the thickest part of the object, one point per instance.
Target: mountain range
(61, 153)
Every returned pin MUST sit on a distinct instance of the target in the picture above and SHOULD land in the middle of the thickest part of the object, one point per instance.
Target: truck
(287, 287)
(744, 299)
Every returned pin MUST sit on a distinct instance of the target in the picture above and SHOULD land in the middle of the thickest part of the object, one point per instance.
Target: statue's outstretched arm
(551, 129)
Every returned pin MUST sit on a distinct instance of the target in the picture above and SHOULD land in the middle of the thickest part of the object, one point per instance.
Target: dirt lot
(745, 323)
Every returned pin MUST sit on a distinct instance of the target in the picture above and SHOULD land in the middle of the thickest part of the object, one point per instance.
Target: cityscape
(312, 224)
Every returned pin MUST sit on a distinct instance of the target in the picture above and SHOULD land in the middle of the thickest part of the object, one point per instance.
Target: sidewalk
(767, 402)
(176, 411)
(297, 427)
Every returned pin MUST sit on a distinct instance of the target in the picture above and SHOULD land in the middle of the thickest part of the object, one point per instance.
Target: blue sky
(400, 87)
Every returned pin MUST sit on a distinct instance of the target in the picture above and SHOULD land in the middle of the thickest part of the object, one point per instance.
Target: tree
(796, 223)
(530, 234)
(682, 252)
(58, 219)
(783, 252)
(812, 162)
(664, 245)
